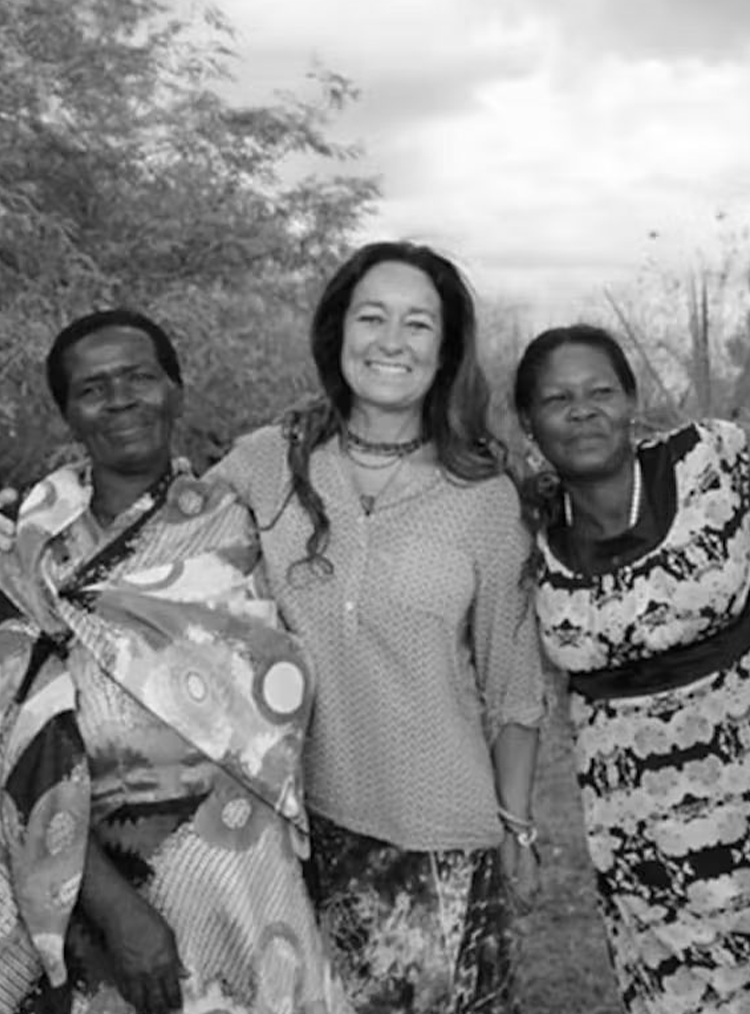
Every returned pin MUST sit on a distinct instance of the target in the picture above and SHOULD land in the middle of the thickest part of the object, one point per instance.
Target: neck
(115, 492)
(376, 425)
(603, 506)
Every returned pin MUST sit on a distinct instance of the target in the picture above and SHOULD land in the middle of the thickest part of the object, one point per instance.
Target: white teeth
(388, 367)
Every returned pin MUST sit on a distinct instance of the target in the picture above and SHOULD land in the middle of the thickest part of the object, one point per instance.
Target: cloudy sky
(542, 143)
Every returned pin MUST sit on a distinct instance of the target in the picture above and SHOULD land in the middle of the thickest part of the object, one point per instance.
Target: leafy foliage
(126, 178)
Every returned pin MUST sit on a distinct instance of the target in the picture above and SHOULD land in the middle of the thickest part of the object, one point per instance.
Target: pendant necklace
(368, 500)
(635, 498)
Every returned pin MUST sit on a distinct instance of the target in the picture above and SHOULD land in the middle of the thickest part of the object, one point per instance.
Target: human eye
(143, 376)
(552, 399)
(90, 390)
(419, 324)
(371, 317)
(603, 391)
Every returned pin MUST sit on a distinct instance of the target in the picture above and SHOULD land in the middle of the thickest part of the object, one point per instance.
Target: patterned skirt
(414, 932)
(665, 782)
(245, 930)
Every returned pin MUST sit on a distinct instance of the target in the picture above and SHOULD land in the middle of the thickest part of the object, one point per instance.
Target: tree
(127, 178)
(689, 328)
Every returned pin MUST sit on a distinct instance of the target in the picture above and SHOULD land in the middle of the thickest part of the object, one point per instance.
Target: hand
(8, 502)
(521, 868)
(144, 955)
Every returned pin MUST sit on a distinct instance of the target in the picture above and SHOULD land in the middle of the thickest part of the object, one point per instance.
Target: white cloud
(539, 142)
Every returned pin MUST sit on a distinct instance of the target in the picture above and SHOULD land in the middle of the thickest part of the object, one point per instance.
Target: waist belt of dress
(675, 667)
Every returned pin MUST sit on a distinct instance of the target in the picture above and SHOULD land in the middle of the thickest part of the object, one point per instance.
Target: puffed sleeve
(729, 443)
(512, 679)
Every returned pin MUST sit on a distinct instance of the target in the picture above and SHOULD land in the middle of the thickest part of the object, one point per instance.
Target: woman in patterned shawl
(153, 716)
(643, 577)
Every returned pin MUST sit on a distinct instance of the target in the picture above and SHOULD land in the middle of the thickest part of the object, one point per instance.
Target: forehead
(576, 364)
(393, 281)
(110, 349)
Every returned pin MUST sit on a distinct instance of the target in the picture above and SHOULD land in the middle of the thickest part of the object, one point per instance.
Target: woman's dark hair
(539, 350)
(57, 373)
(455, 410)
(540, 493)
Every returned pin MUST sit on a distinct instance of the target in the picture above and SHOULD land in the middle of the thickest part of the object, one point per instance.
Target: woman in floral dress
(643, 575)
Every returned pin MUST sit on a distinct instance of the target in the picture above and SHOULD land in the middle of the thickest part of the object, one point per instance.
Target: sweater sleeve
(511, 676)
(254, 468)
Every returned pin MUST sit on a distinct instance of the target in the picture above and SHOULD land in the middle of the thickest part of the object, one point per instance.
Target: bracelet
(524, 831)
(510, 818)
(525, 839)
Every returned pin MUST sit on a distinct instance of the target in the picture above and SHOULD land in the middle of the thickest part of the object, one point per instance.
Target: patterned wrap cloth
(665, 776)
(168, 714)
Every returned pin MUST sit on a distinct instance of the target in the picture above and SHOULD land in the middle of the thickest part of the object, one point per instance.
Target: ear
(70, 423)
(178, 400)
(635, 411)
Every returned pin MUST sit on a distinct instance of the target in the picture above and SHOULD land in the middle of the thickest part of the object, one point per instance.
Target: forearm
(140, 944)
(514, 755)
(103, 888)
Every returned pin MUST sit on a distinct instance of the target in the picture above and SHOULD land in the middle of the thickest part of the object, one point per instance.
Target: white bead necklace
(635, 498)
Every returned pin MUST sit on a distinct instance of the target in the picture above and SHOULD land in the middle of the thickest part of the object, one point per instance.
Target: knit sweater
(423, 638)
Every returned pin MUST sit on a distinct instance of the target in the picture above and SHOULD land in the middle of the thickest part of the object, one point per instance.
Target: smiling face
(121, 404)
(392, 338)
(580, 413)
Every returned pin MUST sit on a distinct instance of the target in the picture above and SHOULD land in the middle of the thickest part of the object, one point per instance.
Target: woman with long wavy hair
(395, 549)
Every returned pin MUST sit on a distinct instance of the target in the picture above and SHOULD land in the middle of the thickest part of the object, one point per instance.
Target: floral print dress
(664, 770)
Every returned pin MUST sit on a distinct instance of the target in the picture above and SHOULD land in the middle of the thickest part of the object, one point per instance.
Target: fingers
(133, 989)
(172, 990)
(158, 992)
(8, 497)
(523, 881)
(8, 501)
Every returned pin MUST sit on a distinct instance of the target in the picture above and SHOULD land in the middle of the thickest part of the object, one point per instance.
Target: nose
(581, 408)
(120, 393)
(391, 337)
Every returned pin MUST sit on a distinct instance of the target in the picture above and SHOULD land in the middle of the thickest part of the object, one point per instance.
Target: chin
(587, 468)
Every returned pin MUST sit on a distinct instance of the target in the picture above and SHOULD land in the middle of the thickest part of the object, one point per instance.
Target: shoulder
(725, 438)
(261, 446)
(65, 490)
(707, 437)
(254, 465)
(492, 510)
(499, 492)
(708, 458)
(256, 450)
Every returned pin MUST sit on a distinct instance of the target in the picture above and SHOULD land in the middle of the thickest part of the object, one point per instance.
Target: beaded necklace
(635, 498)
(384, 448)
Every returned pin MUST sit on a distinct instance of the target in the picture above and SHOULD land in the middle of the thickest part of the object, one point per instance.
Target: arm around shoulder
(254, 467)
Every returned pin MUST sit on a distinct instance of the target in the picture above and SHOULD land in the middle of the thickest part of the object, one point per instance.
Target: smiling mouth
(391, 368)
(586, 437)
(128, 432)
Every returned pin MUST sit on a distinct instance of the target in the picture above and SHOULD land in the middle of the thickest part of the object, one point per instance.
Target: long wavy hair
(455, 410)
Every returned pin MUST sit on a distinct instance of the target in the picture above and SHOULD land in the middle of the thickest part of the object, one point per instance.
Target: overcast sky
(539, 142)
